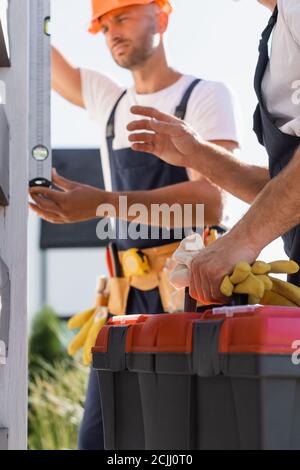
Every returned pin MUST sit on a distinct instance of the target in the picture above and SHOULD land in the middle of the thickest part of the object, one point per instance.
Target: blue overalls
(280, 147)
(131, 171)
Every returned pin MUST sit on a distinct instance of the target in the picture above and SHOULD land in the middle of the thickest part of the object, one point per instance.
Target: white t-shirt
(211, 110)
(281, 83)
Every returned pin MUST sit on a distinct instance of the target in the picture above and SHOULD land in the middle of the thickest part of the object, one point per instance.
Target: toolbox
(225, 378)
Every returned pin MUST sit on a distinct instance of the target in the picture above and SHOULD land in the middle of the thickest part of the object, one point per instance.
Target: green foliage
(56, 386)
(45, 342)
(56, 406)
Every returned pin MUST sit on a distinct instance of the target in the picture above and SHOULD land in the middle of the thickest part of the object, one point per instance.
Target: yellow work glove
(282, 293)
(261, 288)
(90, 323)
(86, 338)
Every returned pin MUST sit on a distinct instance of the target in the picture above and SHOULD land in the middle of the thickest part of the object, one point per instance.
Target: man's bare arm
(277, 208)
(275, 211)
(66, 79)
(78, 202)
(176, 143)
(190, 192)
(222, 167)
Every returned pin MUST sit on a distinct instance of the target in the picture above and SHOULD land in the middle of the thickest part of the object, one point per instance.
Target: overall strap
(268, 31)
(181, 109)
(110, 127)
(263, 59)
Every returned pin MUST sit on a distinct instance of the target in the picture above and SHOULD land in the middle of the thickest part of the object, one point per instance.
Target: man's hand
(213, 263)
(165, 136)
(75, 203)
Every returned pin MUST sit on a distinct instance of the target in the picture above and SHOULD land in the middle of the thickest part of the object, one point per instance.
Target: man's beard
(136, 55)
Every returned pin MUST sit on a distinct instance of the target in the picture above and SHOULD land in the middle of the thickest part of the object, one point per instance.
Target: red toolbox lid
(264, 330)
(101, 345)
(163, 333)
(245, 329)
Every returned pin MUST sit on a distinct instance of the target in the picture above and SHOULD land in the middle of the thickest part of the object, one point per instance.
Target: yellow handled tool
(135, 263)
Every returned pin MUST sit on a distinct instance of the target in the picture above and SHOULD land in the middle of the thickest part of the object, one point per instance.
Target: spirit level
(40, 156)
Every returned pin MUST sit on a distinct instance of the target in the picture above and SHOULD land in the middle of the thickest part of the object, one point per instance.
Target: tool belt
(212, 233)
(144, 270)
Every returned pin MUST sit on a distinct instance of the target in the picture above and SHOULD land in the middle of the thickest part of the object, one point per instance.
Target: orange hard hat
(101, 7)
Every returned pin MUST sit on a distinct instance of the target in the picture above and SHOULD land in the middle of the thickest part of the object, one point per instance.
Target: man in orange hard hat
(134, 31)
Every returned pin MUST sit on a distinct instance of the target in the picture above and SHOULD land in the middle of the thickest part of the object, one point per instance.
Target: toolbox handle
(190, 304)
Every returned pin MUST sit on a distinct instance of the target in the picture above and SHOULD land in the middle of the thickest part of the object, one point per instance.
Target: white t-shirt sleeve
(99, 93)
(291, 13)
(214, 112)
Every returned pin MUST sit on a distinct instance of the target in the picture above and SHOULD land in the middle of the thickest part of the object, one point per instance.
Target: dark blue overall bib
(280, 147)
(131, 171)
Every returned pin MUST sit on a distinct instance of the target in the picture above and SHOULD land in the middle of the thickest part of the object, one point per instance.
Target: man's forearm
(192, 193)
(275, 211)
(221, 167)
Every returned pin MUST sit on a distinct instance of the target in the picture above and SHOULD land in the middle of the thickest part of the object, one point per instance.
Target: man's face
(131, 34)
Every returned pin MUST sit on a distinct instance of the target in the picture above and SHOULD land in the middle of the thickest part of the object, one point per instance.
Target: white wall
(209, 38)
